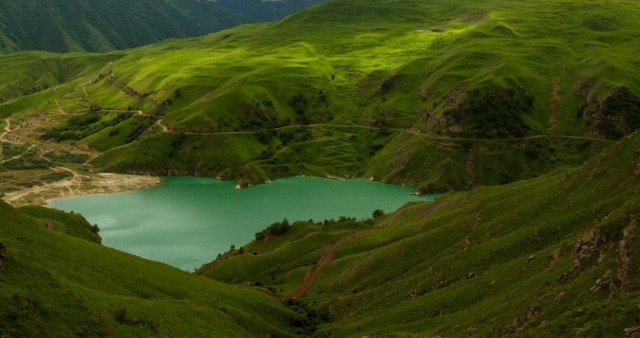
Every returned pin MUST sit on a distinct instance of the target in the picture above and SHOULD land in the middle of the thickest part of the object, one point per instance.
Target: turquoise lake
(187, 221)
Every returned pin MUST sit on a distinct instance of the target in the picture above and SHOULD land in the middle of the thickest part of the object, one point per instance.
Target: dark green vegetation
(274, 230)
(55, 284)
(267, 10)
(551, 256)
(479, 93)
(100, 26)
(492, 112)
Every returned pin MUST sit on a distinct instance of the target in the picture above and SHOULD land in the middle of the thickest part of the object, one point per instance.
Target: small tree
(95, 229)
(378, 213)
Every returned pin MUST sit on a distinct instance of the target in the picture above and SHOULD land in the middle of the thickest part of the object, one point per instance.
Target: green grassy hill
(100, 26)
(477, 92)
(551, 256)
(55, 284)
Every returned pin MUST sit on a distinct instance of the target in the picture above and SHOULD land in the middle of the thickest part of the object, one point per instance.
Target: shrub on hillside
(622, 103)
(492, 111)
(275, 229)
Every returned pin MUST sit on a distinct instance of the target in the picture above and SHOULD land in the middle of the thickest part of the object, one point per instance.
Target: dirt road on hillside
(311, 276)
(555, 103)
(60, 107)
(7, 128)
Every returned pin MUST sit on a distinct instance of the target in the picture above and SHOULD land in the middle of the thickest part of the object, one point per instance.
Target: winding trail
(166, 129)
(311, 276)
(429, 209)
(7, 128)
(76, 176)
(76, 179)
(60, 107)
(17, 156)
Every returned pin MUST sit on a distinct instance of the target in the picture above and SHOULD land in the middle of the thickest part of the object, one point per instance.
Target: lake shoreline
(80, 185)
(186, 221)
(112, 183)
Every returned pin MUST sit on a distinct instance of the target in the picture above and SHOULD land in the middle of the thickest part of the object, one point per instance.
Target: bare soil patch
(80, 185)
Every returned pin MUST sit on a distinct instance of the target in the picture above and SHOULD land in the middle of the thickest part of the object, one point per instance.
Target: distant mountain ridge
(92, 26)
(270, 10)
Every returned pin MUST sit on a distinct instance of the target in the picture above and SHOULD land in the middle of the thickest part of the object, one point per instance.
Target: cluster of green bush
(274, 230)
(299, 134)
(622, 103)
(302, 104)
(55, 176)
(254, 116)
(140, 126)
(10, 150)
(82, 126)
(28, 161)
(492, 111)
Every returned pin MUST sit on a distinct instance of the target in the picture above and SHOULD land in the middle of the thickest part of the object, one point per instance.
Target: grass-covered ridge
(551, 256)
(469, 80)
(80, 25)
(55, 284)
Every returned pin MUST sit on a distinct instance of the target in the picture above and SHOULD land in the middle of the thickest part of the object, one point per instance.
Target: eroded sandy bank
(103, 183)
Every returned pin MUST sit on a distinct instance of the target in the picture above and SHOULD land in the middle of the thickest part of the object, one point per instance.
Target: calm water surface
(187, 221)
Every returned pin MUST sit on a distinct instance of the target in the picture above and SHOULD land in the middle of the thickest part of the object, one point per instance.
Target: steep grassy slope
(551, 256)
(100, 26)
(479, 92)
(57, 285)
(392, 69)
(39, 73)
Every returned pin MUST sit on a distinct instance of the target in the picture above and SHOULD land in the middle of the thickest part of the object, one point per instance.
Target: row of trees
(274, 230)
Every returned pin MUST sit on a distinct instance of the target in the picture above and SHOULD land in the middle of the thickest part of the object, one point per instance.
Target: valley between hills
(530, 108)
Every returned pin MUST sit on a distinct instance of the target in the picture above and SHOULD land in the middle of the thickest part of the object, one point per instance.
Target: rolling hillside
(101, 26)
(57, 285)
(452, 88)
(551, 256)
(479, 93)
